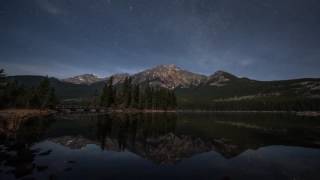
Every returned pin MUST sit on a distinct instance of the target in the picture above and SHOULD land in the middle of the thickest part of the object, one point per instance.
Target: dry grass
(23, 113)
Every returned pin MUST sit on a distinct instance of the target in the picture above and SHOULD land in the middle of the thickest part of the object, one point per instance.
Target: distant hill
(219, 91)
(83, 79)
(224, 91)
(64, 90)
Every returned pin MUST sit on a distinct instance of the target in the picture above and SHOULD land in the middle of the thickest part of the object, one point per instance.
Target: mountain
(64, 90)
(220, 78)
(219, 91)
(168, 76)
(83, 79)
(119, 78)
(228, 92)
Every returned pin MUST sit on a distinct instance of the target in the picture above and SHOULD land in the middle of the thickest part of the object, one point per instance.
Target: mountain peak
(168, 76)
(220, 78)
(83, 79)
(164, 75)
(167, 67)
(221, 73)
(89, 75)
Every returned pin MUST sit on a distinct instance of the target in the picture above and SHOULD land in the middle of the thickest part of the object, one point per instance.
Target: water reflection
(161, 146)
(17, 137)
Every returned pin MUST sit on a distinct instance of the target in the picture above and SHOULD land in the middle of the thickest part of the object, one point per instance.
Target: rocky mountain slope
(83, 79)
(168, 76)
(118, 78)
(219, 78)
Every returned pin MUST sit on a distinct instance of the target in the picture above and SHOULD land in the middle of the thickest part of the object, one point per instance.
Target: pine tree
(95, 98)
(53, 100)
(2, 88)
(173, 100)
(35, 99)
(127, 92)
(21, 97)
(107, 97)
(135, 96)
(104, 95)
(141, 100)
(44, 92)
(10, 94)
(3, 79)
(148, 97)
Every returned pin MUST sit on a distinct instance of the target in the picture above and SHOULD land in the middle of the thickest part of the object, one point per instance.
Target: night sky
(260, 39)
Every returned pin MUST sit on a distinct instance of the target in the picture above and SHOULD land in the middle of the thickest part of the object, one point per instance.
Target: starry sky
(260, 39)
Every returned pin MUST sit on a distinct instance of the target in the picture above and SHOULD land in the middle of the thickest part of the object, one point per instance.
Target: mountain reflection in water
(161, 146)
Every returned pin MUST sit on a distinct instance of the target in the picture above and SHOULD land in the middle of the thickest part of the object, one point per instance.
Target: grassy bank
(24, 113)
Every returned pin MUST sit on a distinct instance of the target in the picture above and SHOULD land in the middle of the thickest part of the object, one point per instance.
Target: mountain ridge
(219, 91)
(166, 75)
(83, 79)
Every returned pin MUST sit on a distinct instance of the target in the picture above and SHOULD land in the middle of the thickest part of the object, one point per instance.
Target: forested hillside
(245, 94)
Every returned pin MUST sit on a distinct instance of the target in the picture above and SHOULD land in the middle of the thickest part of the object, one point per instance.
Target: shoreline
(141, 111)
(298, 113)
(24, 113)
(30, 113)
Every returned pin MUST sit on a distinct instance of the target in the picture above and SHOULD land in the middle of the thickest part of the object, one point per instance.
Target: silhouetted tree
(135, 96)
(3, 79)
(53, 100)
(35, 98)
(44, 92)
(107, 97)
(127, 91)
(148, 97)
(42, 96)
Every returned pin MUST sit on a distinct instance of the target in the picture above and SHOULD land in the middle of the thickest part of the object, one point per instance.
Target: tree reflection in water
(161, 138)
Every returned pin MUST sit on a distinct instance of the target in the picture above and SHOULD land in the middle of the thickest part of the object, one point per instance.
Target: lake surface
(161, 146)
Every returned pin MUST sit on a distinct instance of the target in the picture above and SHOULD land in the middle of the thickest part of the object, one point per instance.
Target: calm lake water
(161, 146)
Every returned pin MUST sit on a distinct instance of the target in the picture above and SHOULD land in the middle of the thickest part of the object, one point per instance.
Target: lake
(161, 146)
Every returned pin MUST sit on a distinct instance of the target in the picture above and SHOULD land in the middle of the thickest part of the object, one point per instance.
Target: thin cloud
(245, 62)
(49, 7)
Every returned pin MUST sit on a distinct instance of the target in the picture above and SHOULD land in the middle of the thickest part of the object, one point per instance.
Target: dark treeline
(130, 95)
(13, 95)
